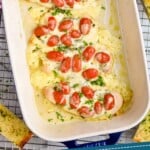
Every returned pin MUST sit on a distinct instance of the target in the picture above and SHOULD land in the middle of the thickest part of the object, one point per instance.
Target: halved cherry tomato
(66, 39)
(55, 56)
(65, 88)
(88, 92)
(90, 73)
(98, 107)
(59, 97)
(109, 101)
(102, 57)
(51, 23)
(85, 112)
(75, 34)
(70, 3)
(76, 63)
(88, 53)
(85, 25)
(58, 3)
(53, 40)
(75, 100)
(44, 1)
(65, 65)
(65, 25)
(41, 30)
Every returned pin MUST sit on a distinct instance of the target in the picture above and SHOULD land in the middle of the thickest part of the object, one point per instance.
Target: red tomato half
(85, 112)
(109, 101)
(102, 57)
(65, 25)
(65, 65)
(55, 56)
(75, 34)
(52, 23)
(58, 3)
(76, 63)
(88, 92)
(53, 40)
(98, 107)
(65, 88)
(74, 100)
(88, 53)
(85, 25)
(70, 3)
(90, 73)
(66, 39)
(59, 97)
(41, 30)
(44, 1)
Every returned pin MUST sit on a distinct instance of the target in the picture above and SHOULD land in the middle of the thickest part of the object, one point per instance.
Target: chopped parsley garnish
(85, 43)
(62, 48)
(99, 81)
(49, 120)
(89, 102)
(36, 48)
(59, 116)
(57, 11)
(55, 73)
(110, 116)
(80, 95)
(90, 43)
(79, 51)
(29, 8)
(41, 10)
(75, 85)
(93, 25)
(103, 8)
(71, 117)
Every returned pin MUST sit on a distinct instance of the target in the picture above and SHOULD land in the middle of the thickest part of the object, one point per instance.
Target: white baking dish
(134, 49)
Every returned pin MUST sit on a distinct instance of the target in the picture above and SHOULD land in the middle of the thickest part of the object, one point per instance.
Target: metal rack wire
(9, 98)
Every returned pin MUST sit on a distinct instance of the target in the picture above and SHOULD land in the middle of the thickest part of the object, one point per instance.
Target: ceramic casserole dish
(136, 62)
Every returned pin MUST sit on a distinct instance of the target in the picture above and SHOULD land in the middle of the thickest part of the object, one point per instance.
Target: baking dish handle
(113, 138)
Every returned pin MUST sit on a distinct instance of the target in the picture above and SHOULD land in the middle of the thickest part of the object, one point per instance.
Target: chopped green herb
(36, 48)
(49, 120)
(93, 25)
(59, 116)
(100, 99)
(75, 85)
(62, 48)
(79, 51)
(90, 43)
(71, 117)
(85, 43)
(29, 8)
(89, 102)
(80, 95)
(55, 73)
(99, 81)
(41, 10)
(103, 7)
(57, 11)
(110, 116)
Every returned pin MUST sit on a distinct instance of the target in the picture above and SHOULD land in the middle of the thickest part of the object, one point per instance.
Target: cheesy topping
(76, 64)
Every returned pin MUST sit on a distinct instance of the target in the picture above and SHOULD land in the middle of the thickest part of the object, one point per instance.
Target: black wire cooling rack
(9, 98)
